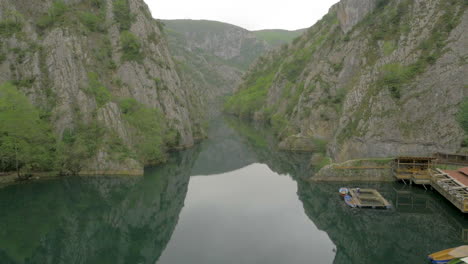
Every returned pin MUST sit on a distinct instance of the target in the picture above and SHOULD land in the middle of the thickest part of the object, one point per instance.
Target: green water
(233, 199)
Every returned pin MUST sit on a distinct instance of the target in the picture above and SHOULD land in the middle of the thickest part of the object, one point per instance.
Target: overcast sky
(249, 14)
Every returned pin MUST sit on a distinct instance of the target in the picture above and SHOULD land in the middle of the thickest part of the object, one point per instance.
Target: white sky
(249, 14)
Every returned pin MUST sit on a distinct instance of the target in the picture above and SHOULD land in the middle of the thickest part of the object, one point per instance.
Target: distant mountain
(277, 37)
(215, 55)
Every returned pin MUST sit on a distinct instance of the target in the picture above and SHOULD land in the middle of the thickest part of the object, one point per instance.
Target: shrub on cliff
(131, 47)
(462, 118)
(26, 141)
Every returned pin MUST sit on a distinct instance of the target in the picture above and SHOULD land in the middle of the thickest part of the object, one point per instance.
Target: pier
(452, 187)
(414, 169)
(452, 184)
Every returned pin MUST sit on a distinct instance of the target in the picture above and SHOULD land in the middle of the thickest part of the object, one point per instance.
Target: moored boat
(343, 191)
(450, 255)
(349, 201)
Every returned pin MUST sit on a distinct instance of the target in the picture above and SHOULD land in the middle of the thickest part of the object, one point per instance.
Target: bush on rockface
(131, 47)
(462, 118)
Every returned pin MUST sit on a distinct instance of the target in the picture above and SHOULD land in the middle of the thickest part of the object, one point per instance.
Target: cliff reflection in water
(94, 220)
(422, 222)
(132, 219)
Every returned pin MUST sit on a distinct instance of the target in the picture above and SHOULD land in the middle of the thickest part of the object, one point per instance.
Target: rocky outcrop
(351, 12)
(55, 47)
(383, 84)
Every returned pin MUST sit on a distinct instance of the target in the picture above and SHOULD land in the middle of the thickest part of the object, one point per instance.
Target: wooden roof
(464, 170)
(457, 175)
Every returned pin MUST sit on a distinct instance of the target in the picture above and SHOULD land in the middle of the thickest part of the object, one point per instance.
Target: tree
(26, 141)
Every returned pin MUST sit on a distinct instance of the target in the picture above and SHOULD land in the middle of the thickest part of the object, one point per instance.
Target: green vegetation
(277, 37)
(11, 24)
(251, 99)
(103, 54)
(462, 118)
(388, 47)
(394, 76)
(90, 13)
(93, 22)
(79, 144)
(152, 137)
(390, 21)
(26, 141)
(97, 89)
(122, 14)
(320, 145)
(55, 15)
(320, 160)
(131, 47)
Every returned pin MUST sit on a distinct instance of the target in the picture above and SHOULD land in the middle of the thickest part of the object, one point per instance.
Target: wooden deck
(452, 189)
(414, 169)
(368, 198)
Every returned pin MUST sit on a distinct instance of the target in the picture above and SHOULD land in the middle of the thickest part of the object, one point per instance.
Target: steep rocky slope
(372, 78)
(101, 73)
(215, 55)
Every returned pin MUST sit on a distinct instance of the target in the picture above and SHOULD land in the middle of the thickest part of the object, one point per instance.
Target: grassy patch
(122, 14)
(394, 76)
(462, 118)
(250, 99)
(131, 47)
(92, 21)
(97, 89)
(11, 24)
(55, 15)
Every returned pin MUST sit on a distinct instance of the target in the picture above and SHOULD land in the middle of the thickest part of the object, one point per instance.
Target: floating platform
(366, 198)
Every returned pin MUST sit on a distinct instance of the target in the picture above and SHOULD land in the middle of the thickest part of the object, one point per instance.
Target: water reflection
(250, 215)
(422, 221)
(94, 220)
(253, 206)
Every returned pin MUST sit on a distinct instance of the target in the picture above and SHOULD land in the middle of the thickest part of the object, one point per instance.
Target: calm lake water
(232, 199)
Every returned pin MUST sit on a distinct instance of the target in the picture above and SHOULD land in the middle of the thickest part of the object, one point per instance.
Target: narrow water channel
(232, 199)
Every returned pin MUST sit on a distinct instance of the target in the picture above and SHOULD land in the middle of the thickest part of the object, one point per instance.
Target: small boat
(349, 201)
(449, 255)
(458, 261)
(343, 191)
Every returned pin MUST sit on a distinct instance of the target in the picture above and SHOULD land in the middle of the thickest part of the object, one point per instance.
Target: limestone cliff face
(372, 78)
(51, 57)
(351, 12)
(215, 55)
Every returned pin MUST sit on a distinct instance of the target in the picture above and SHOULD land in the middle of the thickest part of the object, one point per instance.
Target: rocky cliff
(371, 79)
(101, 73)
(215, 55)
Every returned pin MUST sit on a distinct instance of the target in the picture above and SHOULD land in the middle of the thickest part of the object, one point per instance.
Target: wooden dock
(414, 169)
(368, 198)
(452, 189)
